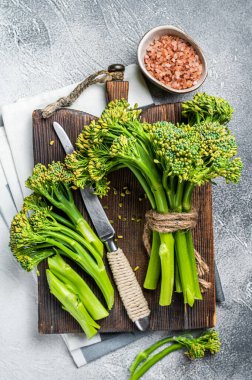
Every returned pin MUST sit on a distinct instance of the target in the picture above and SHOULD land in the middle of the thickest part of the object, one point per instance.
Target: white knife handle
(128, 286)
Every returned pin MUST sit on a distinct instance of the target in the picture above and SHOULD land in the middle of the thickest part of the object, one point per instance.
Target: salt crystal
(173, 61)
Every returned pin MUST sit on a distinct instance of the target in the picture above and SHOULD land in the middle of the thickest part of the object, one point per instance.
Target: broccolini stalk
(72, 304)
(169, 161)
(191, 155)
(53, 182)
(196, 348)
(33, 231)
(118, 140)
(77, 285)
(56, 222)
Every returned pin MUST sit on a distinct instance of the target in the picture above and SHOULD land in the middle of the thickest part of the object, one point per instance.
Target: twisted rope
(128, 286)
(101, 76)
(172, 222)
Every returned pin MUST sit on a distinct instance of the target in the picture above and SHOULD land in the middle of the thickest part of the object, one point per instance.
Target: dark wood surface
(52, 319)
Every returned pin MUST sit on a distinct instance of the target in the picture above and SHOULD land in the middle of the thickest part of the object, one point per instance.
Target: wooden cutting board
(51, 318)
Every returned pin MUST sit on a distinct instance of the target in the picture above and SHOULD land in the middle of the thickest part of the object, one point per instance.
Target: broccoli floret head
(198, 347)
(196, 153)
(205, 107)
(48, 180)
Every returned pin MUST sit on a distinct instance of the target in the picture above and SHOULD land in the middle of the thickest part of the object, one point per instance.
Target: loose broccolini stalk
(72, 304)
(54, 183)
(196, 348)
(35, 232)
(75, 283)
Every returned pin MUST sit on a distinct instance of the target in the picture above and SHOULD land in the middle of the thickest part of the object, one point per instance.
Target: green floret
(197, 153)
(54, 183)
(197, 347)
(205, 107)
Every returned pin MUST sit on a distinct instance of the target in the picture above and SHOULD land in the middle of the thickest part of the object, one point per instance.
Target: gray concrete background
(51, 43)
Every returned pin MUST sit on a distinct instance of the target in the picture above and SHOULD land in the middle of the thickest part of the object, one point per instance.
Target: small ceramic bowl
(170, 30)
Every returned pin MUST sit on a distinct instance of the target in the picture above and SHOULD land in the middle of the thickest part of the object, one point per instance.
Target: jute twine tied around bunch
(101, 76)
(172, 222)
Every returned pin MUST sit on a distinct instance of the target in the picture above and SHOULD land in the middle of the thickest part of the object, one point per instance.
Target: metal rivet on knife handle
(128, 286)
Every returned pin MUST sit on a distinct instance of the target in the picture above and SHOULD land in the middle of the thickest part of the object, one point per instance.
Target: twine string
(128, 286)
(172, 222)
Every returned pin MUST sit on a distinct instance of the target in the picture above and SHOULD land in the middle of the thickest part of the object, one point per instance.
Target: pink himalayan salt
(174, 62)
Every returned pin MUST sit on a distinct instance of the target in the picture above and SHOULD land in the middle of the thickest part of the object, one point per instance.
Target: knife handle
(128, 286)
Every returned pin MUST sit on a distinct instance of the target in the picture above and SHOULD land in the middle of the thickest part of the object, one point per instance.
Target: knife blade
(106, 233)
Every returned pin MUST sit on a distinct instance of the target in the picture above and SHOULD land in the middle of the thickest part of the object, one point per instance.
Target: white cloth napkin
(16, 164)
(7, 207)
(10, 170)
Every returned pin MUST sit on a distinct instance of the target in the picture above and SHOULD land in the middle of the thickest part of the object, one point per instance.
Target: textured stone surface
(50, 43)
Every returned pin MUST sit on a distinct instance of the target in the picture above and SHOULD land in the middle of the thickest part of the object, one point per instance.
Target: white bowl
(170, 30)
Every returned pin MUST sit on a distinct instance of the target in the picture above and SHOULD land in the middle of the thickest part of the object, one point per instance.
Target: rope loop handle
(114, 72)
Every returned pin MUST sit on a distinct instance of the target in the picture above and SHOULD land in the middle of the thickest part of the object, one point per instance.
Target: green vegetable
(35, 233)
(196, 348)
(54, 183)
(169, 161)
(77, 285)
(205, 107)
(72, 304)
(117, 140)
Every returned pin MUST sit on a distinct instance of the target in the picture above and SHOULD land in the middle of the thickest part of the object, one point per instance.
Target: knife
(124, 276)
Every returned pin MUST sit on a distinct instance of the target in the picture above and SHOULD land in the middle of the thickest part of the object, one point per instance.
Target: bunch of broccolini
(169, 161)
(39, 232)
(207, 342)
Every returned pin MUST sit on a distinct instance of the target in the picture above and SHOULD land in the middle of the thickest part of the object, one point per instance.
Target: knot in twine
(172, 222)
(101, 76)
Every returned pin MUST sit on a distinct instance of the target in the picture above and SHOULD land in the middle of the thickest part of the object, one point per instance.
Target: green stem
(184, 264)
(71, 304)
(67, 205)
(147, 166)
(142, 356)
(153, 270)
(144, 184)
(69, 232)
(166, 254)
(77, 285)
(153, 360)
(187, 197)
(169, 190)
(178, 197)
(83, 259)
(61, 219)
(191, 254)
(86, 231)
(178, 285)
